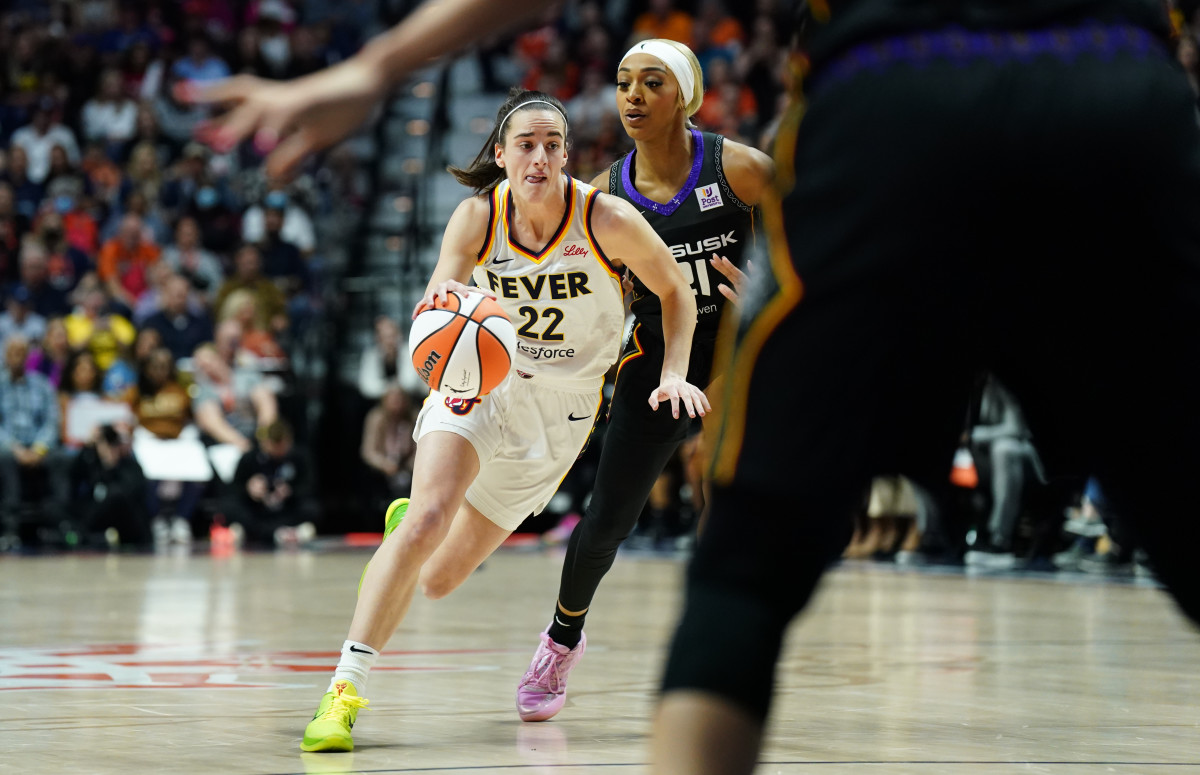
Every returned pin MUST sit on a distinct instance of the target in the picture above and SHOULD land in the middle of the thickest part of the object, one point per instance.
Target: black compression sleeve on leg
(629, 466)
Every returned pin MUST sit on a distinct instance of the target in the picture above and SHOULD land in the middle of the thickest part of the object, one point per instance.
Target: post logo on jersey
(462, 406)
(710, 197)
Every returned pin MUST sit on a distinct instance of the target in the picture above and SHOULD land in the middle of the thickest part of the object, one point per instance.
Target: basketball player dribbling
(977, 185)
(697, 190)
(547, 248)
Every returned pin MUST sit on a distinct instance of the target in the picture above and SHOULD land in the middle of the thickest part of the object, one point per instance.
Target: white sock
(356, 661)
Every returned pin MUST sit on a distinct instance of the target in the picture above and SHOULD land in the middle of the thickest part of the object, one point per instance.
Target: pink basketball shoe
(543, 690)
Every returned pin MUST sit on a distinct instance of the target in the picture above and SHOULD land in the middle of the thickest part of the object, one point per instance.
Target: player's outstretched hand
(677, 390)
(442, 290)
(735, 276)
(288, 120)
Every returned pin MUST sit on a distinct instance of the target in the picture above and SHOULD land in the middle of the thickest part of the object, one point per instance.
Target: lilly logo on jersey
(461, 406)
(431, 360)
(575, 250)
(710, 197)
(708, 245)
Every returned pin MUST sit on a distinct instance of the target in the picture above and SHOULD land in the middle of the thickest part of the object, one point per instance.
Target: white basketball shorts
(527, 434)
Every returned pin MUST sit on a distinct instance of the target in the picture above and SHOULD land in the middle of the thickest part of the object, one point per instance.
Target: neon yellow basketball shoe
(391, 520)
(330, 727)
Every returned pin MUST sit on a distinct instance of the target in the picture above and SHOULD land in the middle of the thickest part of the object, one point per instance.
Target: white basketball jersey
(565, 300)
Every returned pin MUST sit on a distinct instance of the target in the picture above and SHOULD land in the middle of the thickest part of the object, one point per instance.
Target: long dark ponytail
(483, 174)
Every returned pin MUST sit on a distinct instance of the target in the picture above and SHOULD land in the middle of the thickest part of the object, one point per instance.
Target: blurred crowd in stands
(157, 295)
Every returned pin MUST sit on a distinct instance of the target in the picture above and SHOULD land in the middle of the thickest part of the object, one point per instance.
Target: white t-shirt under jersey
(565, 300)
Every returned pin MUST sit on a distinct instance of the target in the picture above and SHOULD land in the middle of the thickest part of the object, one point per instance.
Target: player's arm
(626, 236)
(461, 244)
(293, 119)
(750, 173)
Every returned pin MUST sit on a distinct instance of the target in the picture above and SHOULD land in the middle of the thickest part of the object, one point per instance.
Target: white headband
(675, 61)
(503, 121)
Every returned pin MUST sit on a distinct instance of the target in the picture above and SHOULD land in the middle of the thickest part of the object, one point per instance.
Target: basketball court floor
(194, 663)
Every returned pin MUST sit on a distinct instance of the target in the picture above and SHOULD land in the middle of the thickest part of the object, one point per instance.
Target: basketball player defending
(697, 190)
(546, 246)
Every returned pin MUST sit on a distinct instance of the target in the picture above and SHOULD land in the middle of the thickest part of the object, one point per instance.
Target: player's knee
(435, 585)
(425, 528)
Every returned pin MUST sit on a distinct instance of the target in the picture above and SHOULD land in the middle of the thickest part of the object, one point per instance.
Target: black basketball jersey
(703, 218)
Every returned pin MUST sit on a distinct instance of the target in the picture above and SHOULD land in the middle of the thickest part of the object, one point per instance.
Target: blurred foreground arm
(292, 119)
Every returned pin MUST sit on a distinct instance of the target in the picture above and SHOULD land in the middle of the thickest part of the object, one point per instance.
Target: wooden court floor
(189, 663)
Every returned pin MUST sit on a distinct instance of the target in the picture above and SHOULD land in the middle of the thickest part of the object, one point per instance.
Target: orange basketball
(464, 347)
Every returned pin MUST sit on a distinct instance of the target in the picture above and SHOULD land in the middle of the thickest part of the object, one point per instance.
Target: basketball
(463, 348)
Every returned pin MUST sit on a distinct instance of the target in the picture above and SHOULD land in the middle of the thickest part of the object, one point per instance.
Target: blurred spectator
(112, 501)
(555, 72)
(119, 382)
(716, 32)
(13, 226)
(64, 178)
(93, 328)
(188, 258)
(151, 300)
(164, 409)
(757, 67)
(1003, 438)
(176, 120)
(82, 405)
(593, 41)
(124, 259)
(297, 227)
(1188, 54)
(230, 402)
(729, 107)
(162, 405)
(129, 29)
(274, 21)
(110, 117)
(140, 79)
(40, 136)
(663, 20)
(144, 173)
(200, 64)
(20, 319)
(387, 444)
(210, 207)
(29, 433)
(270, 305)
(309, 53)
(247, 59)
(149, 133)
(386, 362)
(270, 496)
(47, 301)
(50, 356)
(24, 69)
(26, 193)
(282, 260)
(185, 178)
(65, 263)
(592, 111)
(182, 330)
(103, 177)
(83, 232)
(147, 341)
(257, 340)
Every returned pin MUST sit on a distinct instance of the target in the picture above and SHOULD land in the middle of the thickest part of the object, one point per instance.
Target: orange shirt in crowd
(728, 30)
(127, 266)
(676, 26)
